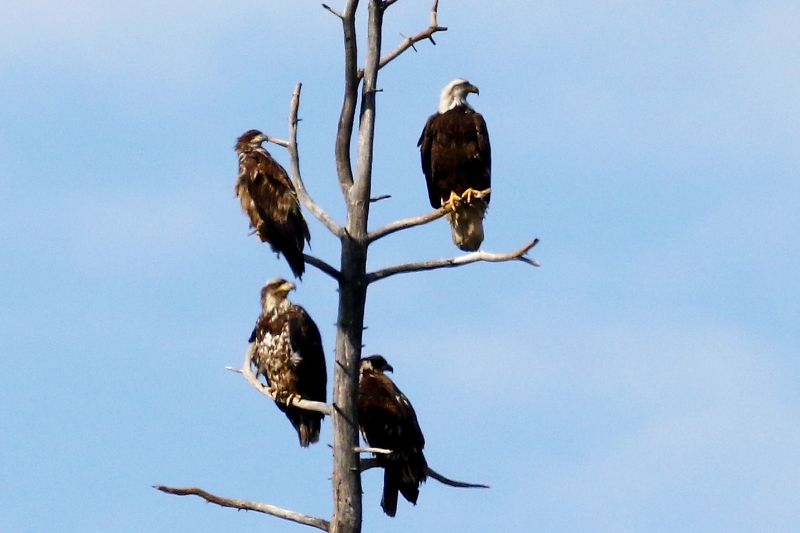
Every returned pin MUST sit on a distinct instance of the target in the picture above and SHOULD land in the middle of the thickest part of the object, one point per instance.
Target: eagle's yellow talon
(470, 195)
(452, 202)
(290, 398)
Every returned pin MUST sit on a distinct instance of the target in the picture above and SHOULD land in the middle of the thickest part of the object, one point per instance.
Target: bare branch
(413, 221)
(406, 223)
(371, 462)
(382, 451)
(247, 372)
(344, 131)
(279, 142)
(460, 484)
(297, 179)
(435, 13)
(379, 198)
(368, 463)
(323, 266)
(329, 8)
(245, 505)
(473, 257)
(409, 42)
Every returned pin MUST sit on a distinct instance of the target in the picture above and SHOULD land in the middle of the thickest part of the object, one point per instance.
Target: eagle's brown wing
(289, 354)
(425, 144)
(270, 201)
(387, 420)
(483, 178)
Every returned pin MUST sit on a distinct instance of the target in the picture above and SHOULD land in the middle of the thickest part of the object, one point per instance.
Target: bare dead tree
(355, 182)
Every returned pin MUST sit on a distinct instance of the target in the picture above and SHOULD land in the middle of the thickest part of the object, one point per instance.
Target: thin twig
(329, 8)
(323, 266)
(379, 198)
(279, 142)
(460, 484)
(381, 451)
(473, 257)
(297, 179)
(413, 221)
(247, 372)
(409, 42)
(371, 462)
(245, 505)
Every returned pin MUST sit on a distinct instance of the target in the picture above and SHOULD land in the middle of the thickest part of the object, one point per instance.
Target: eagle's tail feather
(466, 223)
(296, 261)
(410, 492)
(289, 239)
(413, 471)
(390, 489)
(307, 424)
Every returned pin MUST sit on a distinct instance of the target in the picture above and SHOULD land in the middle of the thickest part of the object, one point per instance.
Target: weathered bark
(346, 471)
(353, 284)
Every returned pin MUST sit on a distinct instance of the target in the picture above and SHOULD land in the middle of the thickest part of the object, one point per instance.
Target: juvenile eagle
(287, 351)
(387, 420)
(269, 199)
(457, 163)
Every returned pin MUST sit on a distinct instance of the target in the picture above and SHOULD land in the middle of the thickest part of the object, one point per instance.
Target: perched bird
(387, 420)
(269, 199)
(287, 351)
(457, 163)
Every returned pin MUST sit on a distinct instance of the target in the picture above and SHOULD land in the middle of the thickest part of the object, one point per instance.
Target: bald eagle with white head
(457, 163)
(286, 349)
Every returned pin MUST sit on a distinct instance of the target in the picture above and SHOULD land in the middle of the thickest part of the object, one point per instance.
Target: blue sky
(644, 379)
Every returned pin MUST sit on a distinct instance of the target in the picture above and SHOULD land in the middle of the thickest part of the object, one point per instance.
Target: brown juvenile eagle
(269, 199)
(457, 163)
(387, 420)
(287, 351)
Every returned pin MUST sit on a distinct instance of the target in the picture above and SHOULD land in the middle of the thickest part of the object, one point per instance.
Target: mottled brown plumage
(457, 162)
(287, 351)
(269, 199)
(387, 420)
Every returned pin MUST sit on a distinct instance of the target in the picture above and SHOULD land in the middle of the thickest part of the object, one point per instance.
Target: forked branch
(473, 257)
(409, 42)
(407, 223)
(247, 372)
(368, 463)
(245, 505)
(297, 179)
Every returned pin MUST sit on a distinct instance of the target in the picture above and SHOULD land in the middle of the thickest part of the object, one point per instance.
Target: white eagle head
(455, 94)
